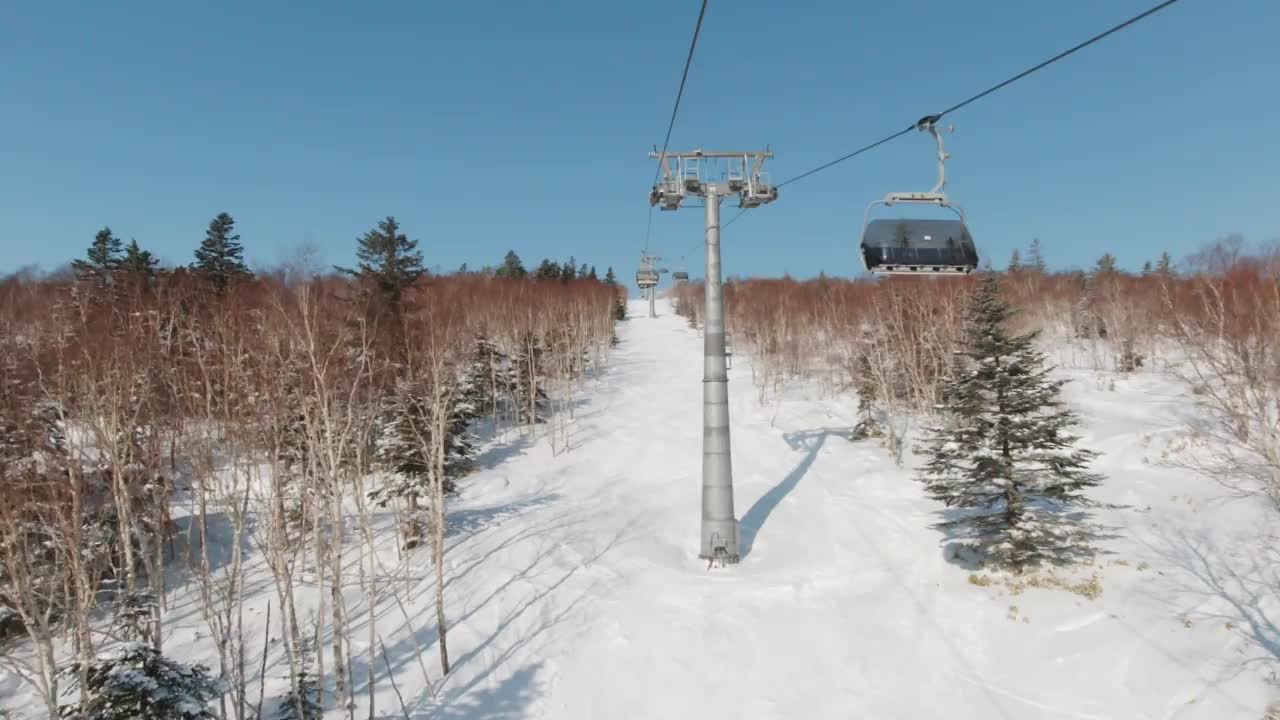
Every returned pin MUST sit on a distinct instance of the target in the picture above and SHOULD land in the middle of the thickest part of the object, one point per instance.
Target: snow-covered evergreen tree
(303, 701)
(864, 385)
(531, 398)
(403, 449)
(1006, 458)
(135, 616)
(460, 446)
(490, 377)
(142, 684)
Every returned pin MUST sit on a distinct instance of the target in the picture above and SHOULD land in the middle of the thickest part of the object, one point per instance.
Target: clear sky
(488, 125)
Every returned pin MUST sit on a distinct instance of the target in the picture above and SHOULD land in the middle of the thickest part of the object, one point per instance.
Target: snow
(574, 590)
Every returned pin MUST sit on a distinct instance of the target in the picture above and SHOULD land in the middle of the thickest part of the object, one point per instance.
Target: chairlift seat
(918, 246)
(679, 275)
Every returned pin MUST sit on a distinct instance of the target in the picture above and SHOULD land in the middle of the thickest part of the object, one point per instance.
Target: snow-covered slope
(574, 588)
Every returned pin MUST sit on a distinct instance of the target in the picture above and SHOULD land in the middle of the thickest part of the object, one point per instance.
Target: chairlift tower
(684, 174)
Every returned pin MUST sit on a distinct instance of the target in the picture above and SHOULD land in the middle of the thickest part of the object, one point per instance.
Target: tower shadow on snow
(811, 442)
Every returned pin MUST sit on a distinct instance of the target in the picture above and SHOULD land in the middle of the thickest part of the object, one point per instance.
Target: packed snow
(574, 589)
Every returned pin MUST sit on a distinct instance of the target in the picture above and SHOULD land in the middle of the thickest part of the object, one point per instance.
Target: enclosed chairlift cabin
(919, 246)
(680, 274)
(646, 277)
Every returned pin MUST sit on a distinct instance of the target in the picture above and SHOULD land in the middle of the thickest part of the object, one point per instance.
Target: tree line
(143, 411)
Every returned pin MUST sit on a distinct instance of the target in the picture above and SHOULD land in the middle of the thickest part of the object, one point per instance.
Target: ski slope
(589, 600)
(574, 590)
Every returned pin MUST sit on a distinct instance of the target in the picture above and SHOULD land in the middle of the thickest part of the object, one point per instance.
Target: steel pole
(653, 292)
(719, 526)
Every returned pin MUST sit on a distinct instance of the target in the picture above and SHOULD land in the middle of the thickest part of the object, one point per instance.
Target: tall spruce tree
(548, 270)
(389, 262)
(1005, 457)
(619, 297)
(101, 260)
(512, 267)
(220, 258)
(1015, 261)
(138, 263)
(1035, 258)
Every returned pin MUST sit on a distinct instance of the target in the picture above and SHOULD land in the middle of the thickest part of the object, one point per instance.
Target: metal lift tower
(684, 174)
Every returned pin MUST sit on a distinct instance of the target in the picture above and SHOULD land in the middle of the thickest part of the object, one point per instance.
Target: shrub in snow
(142, 684)
(1004, 457)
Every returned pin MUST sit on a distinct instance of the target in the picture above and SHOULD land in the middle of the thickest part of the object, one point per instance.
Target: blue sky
(491, 125)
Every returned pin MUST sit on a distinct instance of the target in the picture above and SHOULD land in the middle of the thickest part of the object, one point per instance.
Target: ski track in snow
(574, 590)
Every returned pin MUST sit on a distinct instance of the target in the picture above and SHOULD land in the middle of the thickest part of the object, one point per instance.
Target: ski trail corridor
(574, 589)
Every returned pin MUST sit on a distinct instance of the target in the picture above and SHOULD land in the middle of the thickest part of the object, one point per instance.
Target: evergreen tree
(142, 684)
(547, 270)
(1006, 457)
(591, 273)
(1164, 268)
(512, 267)
(1035, 259)
(490, 377)
(460, 443)
(403, 449)
(389, 262)
(135, 615)
(865, 385)
(1106, 265)
(1146, 268)
(620, 305)
(101, 260)
(138, 263)
(531, 397)
(220, 258)
(1015, 261)
(569, 270)
(619, 296)
(303, 701)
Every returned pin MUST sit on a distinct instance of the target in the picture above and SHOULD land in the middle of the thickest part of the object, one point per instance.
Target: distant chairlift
(680, 275)
(918, 246)
(646, 278)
